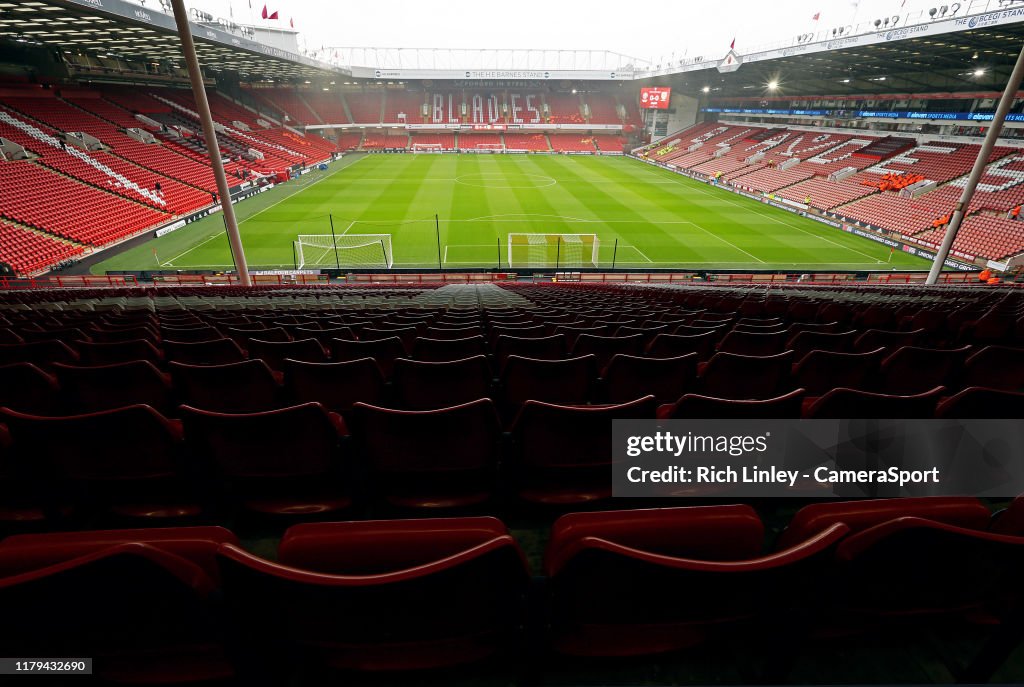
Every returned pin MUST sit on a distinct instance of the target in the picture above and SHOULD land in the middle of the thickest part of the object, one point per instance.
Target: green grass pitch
(659, 219)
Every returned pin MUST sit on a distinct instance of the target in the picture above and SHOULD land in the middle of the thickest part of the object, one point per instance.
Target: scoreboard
(655, 98)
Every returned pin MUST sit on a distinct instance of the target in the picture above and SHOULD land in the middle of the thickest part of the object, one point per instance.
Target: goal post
(553, 250)
(346, 250)
(427, 148)
(490, 147)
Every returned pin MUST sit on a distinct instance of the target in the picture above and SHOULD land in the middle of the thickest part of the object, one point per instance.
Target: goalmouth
(553, 250)
(359, 251)
(427, 148)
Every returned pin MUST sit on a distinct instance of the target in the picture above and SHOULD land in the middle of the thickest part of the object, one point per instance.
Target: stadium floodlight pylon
(553, 250)
(427, 148)
(360, 251)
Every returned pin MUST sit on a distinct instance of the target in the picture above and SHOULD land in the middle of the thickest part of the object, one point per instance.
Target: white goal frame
(348, 250)
(490, 147)
(427, 148)
(542, 242)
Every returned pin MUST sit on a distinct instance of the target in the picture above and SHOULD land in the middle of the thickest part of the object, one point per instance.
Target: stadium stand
(565, 143)
(528, 142)
(366, 106)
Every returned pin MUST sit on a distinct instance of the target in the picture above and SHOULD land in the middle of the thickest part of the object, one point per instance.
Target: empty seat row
(191, 605)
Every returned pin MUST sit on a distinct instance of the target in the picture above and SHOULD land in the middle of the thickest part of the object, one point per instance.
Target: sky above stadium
(655, 31)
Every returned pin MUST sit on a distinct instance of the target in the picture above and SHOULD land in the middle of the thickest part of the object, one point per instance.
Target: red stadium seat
(864, 513)
(443, 350)
(428, 385)
(217, 351)
(995, 367)
(913, 370)
(277, 462)
(981, 403)
(274, 353)
(379, 596)
(25, 387)
(96, 353)
(104, 387)
(731, 375)
(562, 454)
(540, 348)
(697, 406)
(843, 403)
(552, 381)
(144, 615)
(683, 548)
(628, 377)
(336, 386)
(442, 458)
(244, 387)
(125, 461)
(384, 351)
(819, 372)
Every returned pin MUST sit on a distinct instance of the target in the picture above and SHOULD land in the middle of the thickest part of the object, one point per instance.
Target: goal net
(346, 250)
(490, 147)
(427, 148)
(553, 250)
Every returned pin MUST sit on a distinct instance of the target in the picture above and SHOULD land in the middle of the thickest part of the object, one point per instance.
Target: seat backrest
(42, 353)
(731, 375)
(190, 334)
(554, 436)
(372, 547)
(97, 353)
(421, 385)
(717, 533)
(821, 371)
(806, 341)
(274, 353)
(542, 348)
(454, 609)
(384, 351)
(218, 351)
(995, 367)
(134, 601)
(981, 403)
(103, 387)
(913, 566)
(628, 377)
(462, 437)
(299, 441)
(707, 407)
(870, 339)
(130, 443)
(24, 552)
(672, 345)
(731, 592)
(25, 387)
(554, 381)
(440, 350)
(243, 387)
(864, 513)
(911, 369)
(336, 386)
(842, 403)
(752, 343)
(604, 347)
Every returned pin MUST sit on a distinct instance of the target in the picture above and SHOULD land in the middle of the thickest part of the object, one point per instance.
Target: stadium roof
(130, 31)
(932, 55)
(916, 63)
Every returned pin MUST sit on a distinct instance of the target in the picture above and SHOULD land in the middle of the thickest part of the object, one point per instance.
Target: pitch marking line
(299, 189)
(785, 224)
(727, 241)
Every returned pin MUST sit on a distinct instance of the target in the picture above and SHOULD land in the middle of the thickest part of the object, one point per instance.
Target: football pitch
(611, 210)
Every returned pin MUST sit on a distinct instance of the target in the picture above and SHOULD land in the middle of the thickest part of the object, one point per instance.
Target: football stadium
(691, 356)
